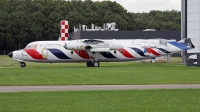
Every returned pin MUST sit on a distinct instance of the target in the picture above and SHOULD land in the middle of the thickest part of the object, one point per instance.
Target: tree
(24, 21)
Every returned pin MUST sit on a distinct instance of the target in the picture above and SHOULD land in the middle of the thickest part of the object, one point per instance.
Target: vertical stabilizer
(64, 26)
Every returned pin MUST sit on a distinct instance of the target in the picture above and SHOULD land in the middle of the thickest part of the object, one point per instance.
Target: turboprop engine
(92, 45)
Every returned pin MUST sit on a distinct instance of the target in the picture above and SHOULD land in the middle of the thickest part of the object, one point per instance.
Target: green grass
(162, 100)
(107, 73)
(178, 100)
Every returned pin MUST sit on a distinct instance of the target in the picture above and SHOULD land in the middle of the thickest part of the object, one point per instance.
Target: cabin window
(115, 51)
(71, 52)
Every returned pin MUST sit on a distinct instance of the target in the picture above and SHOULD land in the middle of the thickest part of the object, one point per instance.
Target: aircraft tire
(153, 60)
(96, 64)
(22, 64)
(89, 64)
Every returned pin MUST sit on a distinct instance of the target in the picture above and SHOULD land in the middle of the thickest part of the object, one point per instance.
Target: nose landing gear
(22, 64)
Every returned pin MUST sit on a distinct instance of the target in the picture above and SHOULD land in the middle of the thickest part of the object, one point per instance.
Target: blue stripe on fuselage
(163, 50)
(107, 55)
(59, 54)
(138, 51)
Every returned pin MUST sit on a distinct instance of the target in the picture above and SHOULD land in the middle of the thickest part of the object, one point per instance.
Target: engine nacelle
(100, 50)
(114, 46)
(95, 46)
(149, 45)
(74, 45)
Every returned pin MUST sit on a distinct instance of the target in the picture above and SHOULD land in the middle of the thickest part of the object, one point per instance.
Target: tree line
(24, 21)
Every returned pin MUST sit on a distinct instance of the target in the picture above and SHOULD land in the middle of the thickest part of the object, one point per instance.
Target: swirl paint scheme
(125, 50)
(93, 51)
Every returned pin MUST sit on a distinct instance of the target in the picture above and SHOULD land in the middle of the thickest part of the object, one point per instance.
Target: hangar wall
(193, 24)
(126, 35)
(190, 28)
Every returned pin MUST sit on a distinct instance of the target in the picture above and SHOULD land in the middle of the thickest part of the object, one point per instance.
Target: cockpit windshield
(32, 46)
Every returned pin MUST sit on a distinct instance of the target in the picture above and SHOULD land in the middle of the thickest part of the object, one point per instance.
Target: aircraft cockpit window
(27, 47)
(33, 46)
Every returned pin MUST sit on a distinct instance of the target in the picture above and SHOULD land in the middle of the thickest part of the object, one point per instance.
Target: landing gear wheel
(22, 64)
(96, 64)
(93, 63)
(153, 60)
(89, 64)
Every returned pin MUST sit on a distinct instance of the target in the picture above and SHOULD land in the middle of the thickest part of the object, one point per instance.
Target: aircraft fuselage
(87, 50)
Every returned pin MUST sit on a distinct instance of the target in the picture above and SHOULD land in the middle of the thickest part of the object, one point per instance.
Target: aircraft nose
(10, 54)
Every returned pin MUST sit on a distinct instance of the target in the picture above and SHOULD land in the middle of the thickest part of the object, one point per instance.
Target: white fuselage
(100, 50)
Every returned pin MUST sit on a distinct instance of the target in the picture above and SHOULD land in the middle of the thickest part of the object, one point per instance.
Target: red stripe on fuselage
(152, 51)
(82, 54)
(34, 54)
(126, 53)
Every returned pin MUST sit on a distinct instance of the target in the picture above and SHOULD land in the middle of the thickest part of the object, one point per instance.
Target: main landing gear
(22, 64)
(93, 63)
(153, 60)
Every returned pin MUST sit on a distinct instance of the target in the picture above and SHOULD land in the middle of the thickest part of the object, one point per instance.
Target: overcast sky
(147, 5)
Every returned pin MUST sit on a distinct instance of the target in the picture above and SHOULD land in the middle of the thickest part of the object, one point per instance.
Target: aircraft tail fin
(64, 26)
(187, 42)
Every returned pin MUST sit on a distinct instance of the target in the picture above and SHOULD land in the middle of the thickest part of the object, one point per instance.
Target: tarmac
(95, 87)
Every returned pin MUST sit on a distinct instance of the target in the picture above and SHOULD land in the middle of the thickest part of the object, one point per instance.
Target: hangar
(190, 28)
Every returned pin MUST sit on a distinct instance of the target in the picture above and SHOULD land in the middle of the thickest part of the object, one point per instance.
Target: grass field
(107, 73)
(180, 100)
(161, 100)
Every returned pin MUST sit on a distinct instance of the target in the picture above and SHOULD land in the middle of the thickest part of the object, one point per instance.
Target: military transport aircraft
(93, 51)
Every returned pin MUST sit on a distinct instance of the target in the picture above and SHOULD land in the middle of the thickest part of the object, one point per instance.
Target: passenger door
(44, 51)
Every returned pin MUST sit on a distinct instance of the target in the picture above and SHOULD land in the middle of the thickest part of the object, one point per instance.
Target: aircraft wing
(93, 45)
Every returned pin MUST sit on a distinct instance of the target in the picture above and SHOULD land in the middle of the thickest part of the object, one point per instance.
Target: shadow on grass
(14, 64)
